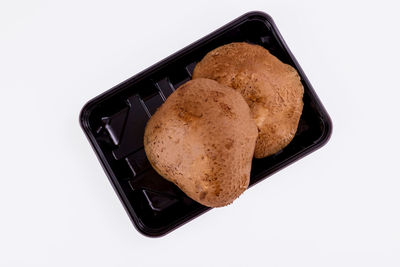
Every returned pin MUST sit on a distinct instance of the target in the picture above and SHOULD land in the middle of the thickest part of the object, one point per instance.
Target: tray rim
(91, 104)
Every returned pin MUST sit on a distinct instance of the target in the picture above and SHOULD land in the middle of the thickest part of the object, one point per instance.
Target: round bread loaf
(271, 88)
(202, 139)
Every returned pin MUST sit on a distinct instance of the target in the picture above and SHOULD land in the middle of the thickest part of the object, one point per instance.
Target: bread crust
(272, 90)
(202, 139)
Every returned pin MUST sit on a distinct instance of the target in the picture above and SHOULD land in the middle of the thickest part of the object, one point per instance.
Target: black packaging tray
(114, 124)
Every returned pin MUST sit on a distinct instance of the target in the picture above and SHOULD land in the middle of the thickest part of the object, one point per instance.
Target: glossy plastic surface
(114, 124)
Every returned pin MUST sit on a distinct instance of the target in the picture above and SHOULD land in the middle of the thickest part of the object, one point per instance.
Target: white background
(339, 206)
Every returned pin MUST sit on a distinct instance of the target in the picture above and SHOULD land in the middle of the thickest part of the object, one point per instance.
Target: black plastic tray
(114, 124)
